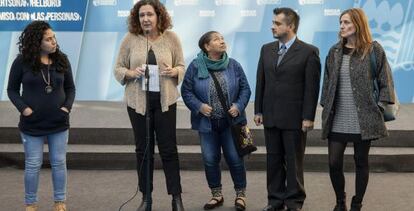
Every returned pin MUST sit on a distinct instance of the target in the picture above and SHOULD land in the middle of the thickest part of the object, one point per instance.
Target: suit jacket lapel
(291, 52)
(273, 55)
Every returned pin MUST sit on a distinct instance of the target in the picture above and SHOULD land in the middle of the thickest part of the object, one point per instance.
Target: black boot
(341, 204)
(144, 204)
(355, 204)
(177, 203)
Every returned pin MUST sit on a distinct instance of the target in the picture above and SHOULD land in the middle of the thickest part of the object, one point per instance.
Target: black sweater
(47, 117)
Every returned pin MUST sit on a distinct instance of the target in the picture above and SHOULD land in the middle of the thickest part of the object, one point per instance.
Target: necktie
(281, 53)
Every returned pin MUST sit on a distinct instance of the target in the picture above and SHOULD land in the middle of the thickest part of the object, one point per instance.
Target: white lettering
(37, 16)
(22, 16)
(207, 13)
(227, 2)
(62, 16)
(7, 16)
(264, 2)
(104, 2)
(304, 2)
(185, 2)
(55, 16)
(332, 12)
(45, 3)
(123, 13)
(248, 13)
(13, 3)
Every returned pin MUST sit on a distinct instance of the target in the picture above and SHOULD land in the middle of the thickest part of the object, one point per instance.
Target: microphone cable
(146, 32)
(139, 173)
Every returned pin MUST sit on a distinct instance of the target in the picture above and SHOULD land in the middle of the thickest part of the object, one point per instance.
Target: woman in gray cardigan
(350, 112)
(149, 22)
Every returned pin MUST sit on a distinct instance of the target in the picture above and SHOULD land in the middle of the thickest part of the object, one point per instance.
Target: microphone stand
(148, 153)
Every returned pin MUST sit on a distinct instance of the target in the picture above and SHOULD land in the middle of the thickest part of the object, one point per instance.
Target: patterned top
(346, 116)
(218, 110)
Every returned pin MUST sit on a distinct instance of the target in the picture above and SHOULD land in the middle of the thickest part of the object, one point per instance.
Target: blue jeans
(211, 144)
(33, 151)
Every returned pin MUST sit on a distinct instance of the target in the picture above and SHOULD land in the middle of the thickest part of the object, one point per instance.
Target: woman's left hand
(64, 109)
(169, 71)
(233, 111)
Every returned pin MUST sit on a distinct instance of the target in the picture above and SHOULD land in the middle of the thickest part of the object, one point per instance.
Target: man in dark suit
(287, 89)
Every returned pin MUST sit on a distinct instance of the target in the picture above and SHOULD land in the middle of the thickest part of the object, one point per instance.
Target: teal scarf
(204, 64)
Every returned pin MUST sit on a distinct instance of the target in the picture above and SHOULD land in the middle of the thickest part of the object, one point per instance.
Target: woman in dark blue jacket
(210, 118)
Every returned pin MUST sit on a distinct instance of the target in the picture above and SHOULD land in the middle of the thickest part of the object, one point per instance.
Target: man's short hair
(291, 17)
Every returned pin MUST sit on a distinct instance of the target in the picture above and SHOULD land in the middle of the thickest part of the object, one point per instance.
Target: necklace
(48, 88)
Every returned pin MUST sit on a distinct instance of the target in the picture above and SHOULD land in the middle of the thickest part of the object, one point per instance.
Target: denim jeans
(211, 144)
(33, 151)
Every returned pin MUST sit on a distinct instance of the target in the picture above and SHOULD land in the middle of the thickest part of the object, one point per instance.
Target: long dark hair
(29, 47)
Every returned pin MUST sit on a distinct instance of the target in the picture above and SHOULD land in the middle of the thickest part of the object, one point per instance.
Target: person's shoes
(31, 207)
(214, 202)
(340, 207)
(341, 204)
(274, 208)
(177, 203)
(355, 205)
(144, 204)
(59, 206)
(240, 203)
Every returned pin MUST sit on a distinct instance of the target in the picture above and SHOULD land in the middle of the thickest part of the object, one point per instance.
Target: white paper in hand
(154, 82)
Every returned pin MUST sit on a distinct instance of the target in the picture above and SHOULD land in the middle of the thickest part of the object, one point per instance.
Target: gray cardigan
(369, 115)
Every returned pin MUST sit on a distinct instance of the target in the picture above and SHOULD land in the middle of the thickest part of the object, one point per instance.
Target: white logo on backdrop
(227, 2)
(104, 3)
(331, 12)
(185, 2)
(304, 2)
(207, 13)
(264, 2)
(248, 13)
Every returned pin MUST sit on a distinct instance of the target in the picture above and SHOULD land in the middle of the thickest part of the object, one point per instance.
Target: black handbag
(389, 110)
(242, 137)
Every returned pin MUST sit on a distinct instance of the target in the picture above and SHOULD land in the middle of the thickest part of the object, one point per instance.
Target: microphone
(146, 74)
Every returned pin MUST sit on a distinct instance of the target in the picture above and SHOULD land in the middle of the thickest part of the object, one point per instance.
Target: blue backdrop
(90, 33)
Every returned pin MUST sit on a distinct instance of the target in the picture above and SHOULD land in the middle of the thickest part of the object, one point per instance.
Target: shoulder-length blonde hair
(363, 37)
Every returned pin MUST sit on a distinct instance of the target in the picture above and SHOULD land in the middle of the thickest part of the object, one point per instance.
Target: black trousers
(336, 146)
(163, 129)
(285, 153)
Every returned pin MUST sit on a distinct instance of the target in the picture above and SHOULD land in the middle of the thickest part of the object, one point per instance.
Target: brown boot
(31, 207)
(59, 206)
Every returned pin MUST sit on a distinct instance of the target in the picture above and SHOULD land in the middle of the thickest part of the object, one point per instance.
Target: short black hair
(205, 39)
(291, 17)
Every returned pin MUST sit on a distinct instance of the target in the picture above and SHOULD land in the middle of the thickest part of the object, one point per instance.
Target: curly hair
(29, 47)
(163, 23)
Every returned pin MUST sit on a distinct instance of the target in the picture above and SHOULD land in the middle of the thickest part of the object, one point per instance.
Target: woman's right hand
(27, 111)
(136, 73)
(206, 110)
